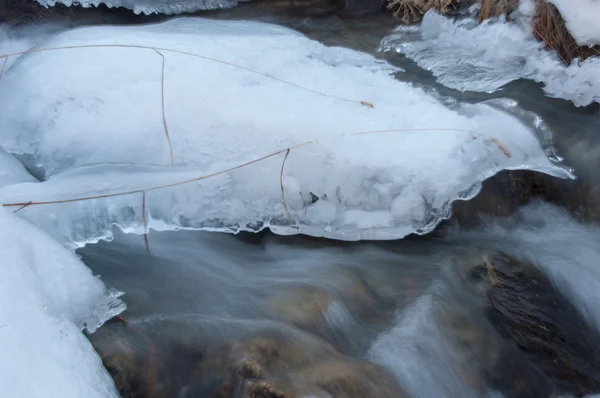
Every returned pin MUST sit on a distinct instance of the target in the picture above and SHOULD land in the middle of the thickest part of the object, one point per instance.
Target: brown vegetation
(411, 11)
(549, 27)
(495, 8)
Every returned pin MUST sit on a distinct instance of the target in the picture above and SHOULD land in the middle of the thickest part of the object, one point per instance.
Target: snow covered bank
(46, 297)
(468, 56)
(582, 18)
(92, 119)
(149, 6)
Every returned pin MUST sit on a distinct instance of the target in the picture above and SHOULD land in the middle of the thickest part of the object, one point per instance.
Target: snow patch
(582, 18)
(47, 296)
(467, 56)
(91, 119)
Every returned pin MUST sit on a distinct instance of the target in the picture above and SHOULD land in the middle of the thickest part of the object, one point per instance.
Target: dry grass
(549, 27)
(495, 8)
(411, 11)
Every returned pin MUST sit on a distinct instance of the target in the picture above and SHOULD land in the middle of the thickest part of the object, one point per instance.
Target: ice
(581, 18)
(467, 56)
(12, 171)
(47, 296)
(91, 120)
(15, 39)
(149, 6)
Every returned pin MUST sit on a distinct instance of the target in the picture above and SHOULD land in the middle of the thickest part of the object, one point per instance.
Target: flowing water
(411, 306)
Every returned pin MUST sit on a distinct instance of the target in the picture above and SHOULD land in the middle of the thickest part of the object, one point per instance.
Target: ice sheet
(91, 119)
(46, 297)
(484, 57)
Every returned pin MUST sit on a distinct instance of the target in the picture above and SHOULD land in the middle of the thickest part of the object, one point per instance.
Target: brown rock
(191, 357)
(326, 309)
(525, 308)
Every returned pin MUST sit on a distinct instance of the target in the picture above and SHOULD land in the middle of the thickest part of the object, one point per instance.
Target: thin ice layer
(581, 18)
(98, 131)
(46, 297)
(149, 6)
(484, 57)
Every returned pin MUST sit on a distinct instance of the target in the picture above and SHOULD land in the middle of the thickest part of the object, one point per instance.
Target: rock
(502, 194)
(348, 378)
(195, 356)
(481, 357)
(525, 308)
(337, 311)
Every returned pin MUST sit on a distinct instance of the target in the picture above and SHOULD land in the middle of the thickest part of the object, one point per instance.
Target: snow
(91, 119)
(12, 171)
(46, 297)
(149, 6)
(467, 56)
(582, 18)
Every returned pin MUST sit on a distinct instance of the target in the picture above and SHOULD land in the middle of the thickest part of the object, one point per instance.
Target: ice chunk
(11, 171)
(98, 131)
(149, 6)
(581, 18)
(467, 56)
(46, 297)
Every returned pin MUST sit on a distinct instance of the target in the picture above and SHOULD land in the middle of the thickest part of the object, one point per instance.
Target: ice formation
(46, 297)
(12, 171)
(90, 121)
(582, 19)
(149, 6)
(484, 57)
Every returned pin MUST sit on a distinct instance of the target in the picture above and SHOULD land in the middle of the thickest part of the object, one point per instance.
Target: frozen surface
(470, 57)
(15, 39)
(47, 296)
(581, 17)
(98, 131)
(12, 171)
(150, 6)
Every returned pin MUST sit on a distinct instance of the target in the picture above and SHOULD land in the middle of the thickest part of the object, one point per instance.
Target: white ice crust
(468, 56)
(89, 121)
(47, 296)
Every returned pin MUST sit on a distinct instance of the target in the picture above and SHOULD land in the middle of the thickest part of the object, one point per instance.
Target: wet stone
(528, 311)
(196, 356)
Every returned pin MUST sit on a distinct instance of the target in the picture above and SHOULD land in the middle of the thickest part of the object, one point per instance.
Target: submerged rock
(195, 356)
(328, 311)
(526, 309)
